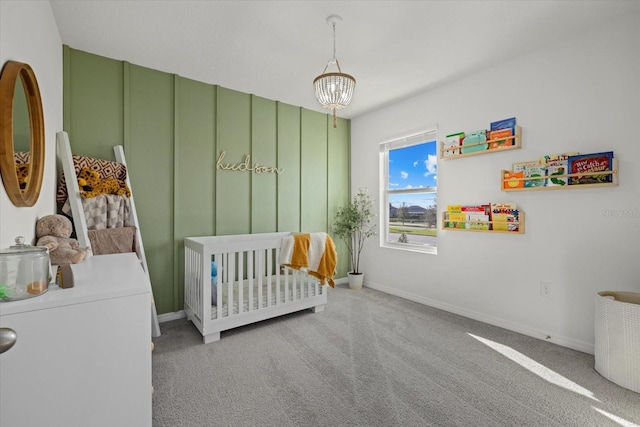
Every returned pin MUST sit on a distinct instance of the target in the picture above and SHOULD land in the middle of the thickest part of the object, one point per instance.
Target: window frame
(428, 135)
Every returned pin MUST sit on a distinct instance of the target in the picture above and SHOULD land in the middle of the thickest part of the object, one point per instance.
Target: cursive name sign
(245, 166)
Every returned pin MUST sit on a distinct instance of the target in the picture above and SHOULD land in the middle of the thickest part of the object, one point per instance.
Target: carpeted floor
(371, 359)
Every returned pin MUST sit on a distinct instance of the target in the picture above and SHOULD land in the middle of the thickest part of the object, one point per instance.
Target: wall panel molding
(173, 130)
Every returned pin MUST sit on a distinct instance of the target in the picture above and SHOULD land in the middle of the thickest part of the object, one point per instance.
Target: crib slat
(268, 272)
(231, 278)
(286, 284)
(278, 278)
(260, 265)
(250, 276)
(221, 281)
(240, 281)
(218, 258)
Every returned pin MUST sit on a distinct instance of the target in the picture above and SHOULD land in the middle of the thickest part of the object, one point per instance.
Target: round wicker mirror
(21, 172)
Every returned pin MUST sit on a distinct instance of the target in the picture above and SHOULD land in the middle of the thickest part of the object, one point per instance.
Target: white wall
(28, 33)
(579, 95)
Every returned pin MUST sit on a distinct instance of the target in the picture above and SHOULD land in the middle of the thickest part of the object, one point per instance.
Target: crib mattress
(301, 291)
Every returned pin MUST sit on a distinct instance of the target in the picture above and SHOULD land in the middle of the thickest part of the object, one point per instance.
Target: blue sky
(413, 167)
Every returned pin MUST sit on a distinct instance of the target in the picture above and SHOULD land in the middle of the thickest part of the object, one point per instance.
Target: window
(409, 176)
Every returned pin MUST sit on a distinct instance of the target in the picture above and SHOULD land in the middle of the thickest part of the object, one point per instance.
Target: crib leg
(211, 338)
(317, 308)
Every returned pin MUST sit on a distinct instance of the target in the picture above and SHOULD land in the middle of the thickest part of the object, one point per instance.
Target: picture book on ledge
(590, 163)
(452, 144)
(501, 134)
(489, 216)
(505, 128)
(454, 217)
(505, 217)
(473, 142)
(532, 169)
(558, 170)
(477, 217)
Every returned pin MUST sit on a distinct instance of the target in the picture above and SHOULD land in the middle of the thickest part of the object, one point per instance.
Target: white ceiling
(274, 49)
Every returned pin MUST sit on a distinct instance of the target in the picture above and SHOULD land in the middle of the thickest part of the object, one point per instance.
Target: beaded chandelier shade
(334, 90)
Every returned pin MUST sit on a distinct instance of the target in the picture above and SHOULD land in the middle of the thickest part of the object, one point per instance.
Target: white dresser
(82, 355)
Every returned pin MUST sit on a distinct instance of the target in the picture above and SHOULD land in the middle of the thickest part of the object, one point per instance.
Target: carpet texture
(371, 359)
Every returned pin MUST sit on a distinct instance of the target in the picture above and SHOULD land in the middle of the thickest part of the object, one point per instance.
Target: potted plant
(353, 224)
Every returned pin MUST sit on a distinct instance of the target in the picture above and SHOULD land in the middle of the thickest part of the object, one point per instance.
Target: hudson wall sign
(245, 166)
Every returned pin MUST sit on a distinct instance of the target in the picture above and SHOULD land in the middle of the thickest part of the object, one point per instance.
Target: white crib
(251, 285)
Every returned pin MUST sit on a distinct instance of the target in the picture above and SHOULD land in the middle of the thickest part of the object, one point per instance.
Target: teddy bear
(53, 232)
(92, 185)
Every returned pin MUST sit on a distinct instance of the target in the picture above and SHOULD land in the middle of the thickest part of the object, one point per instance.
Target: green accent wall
(173, 130)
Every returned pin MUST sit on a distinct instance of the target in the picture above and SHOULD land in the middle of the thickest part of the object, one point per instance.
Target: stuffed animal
(22, 171)
(91, 185)
(87, 179)
(53, 231)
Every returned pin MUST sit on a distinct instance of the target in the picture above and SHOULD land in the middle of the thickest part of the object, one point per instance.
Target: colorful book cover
(556, 173)
(520, 166)
(453, 140)
(496, 138)
(477, 216)
(455, 216)
(595, 162)
(475, 138)
(557, 168)
(531, 169)
(504, 217)
(509, 183)
(509, 123)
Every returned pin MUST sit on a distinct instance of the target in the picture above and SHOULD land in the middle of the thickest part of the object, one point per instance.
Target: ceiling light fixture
(334, 90)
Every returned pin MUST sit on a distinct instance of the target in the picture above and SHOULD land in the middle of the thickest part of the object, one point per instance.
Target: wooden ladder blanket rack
(75, 200)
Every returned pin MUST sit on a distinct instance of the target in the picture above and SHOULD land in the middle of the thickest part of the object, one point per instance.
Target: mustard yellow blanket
(313, 253)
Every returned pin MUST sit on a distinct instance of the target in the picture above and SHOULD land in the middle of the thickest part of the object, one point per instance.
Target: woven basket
(617, 338)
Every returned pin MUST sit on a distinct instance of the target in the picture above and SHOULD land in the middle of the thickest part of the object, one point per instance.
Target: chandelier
(335, 89)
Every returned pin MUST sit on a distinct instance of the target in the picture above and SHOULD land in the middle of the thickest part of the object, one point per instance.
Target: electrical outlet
(545, 289)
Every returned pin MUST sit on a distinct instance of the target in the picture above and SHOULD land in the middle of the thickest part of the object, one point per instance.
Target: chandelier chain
(334, 41)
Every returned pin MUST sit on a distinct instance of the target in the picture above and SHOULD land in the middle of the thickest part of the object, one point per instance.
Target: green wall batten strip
(215, 172)
(300, 126)
(215, 156)
(126, 110)
(251, 124)
(177, 301)
(277, 130)
(178, 245)
(328, 154)
(66, 88)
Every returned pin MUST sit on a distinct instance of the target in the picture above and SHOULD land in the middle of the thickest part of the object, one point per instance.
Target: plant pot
(355, 280)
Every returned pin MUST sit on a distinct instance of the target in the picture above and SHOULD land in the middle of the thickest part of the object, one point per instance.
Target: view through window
(409, 206)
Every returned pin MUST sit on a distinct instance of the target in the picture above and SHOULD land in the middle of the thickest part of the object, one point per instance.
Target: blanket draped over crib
(313, 253)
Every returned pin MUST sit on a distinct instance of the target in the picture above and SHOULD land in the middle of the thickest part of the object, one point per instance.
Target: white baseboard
(571, 343)
(167, 317)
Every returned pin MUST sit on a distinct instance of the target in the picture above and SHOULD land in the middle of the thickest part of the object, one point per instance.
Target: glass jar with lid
(24, 271)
